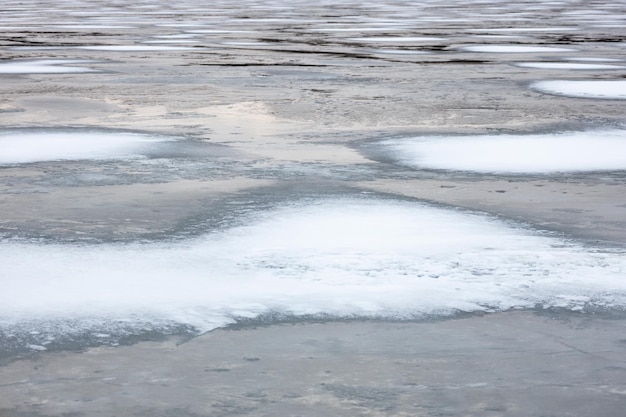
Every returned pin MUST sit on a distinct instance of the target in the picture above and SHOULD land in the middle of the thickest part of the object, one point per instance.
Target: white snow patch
(397, 39)
(546, 153)
(44, 66)
(343, 257)
(568, 66)
(134, 48)
(513, 49)
(602, 89)
(24, 147)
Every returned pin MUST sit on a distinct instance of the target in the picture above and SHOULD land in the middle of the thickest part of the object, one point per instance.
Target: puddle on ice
(342, 257)
(44, 66)
(513, 49)
(539, 154)
(601, 89)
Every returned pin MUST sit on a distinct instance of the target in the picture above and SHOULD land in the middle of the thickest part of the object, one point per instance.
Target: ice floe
(538, 154)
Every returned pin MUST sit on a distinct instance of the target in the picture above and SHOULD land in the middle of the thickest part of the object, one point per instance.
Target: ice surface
(546, 153)
(24, 147)
(604, 89)
(513, 49)
(44, 66)
(344, 257)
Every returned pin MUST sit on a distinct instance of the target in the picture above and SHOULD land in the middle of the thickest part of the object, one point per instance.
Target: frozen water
(24, 147)
(604, 89)
(44, 66)
(570, 151)
(344, 257)
(513, 49)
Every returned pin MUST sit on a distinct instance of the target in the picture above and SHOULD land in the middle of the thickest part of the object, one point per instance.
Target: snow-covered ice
(543, 153)
(602, 89)
(345, 257)
(32, 146)
(568, 66)
(44, 66)
(513, 49)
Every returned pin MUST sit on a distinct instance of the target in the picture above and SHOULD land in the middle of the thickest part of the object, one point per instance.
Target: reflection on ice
(571, 151)
(349, 257)
(603, 89)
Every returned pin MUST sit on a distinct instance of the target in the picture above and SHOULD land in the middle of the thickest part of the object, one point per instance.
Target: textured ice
(603, 89)
(44, 66)
(568, 151)
(24, 147)
(344, 257)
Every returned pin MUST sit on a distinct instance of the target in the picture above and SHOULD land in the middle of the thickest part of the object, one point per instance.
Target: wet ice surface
(349, 269)
(348, 257)
(518, 154)
(599, 89)
(44, 66)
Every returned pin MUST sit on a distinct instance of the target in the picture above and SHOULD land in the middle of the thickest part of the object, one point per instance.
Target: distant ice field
(602, 150)
(344, 257)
